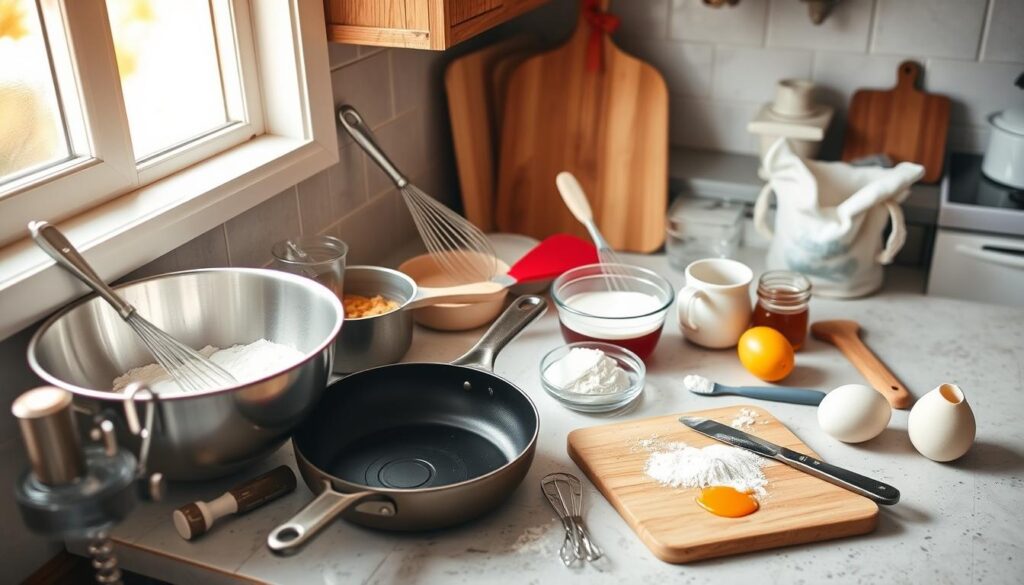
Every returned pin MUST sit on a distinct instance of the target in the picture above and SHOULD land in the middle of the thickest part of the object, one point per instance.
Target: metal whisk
(565, 494)
(189, 369)
(576, 200)
(458, 246)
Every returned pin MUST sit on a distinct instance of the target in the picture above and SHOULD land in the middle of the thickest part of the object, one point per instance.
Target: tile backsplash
(721, 64)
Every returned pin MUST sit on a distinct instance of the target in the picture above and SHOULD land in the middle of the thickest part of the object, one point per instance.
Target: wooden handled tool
(195, 519)
(846, 336)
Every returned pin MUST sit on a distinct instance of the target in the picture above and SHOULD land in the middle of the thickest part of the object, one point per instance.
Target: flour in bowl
(245, 363)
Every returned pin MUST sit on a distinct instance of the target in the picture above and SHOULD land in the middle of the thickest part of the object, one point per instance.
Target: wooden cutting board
(904, 123)
(473, 83)
(608, 127)
(798, 508)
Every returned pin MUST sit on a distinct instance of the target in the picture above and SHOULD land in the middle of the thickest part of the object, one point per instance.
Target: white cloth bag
(830, 217)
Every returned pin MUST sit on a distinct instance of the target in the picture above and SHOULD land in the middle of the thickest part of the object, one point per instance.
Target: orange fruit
(766, 353)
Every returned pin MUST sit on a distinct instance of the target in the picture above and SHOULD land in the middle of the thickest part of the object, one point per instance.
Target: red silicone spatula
(550, 258)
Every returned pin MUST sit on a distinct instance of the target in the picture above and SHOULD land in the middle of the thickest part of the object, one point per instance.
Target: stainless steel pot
(379, 340)
(206, 434)
(417, 446)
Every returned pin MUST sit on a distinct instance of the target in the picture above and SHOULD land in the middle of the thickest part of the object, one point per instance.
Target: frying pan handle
(290, 536)
(523, 311)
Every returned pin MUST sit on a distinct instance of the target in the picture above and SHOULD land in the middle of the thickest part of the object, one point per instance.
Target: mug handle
(688, 297)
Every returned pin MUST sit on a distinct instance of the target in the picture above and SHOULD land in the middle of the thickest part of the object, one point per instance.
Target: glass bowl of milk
(613, 303)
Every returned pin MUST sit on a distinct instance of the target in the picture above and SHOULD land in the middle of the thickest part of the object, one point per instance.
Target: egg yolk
(726, 501)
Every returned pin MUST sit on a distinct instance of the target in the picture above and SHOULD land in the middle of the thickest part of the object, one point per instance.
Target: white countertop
(956, 523)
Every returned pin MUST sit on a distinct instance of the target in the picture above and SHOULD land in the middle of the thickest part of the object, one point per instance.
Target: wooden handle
(877, 374)
(908, 75)
(574, 196)
(466, 293)
(265, 488)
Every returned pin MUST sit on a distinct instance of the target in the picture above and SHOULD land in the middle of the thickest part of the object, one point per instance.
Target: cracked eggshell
(854, 413)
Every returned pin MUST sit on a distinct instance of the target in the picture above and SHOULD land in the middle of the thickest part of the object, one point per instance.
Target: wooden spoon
(846, 336)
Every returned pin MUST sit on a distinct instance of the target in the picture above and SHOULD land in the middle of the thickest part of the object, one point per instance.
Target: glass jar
(782, 304)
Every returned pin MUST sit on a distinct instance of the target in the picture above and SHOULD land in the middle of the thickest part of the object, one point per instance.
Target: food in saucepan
(358, 306)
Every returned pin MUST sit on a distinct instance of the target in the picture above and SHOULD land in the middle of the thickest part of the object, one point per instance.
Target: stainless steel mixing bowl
(207, 434)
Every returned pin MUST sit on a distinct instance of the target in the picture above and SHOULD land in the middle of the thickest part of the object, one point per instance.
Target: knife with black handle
(870, 488)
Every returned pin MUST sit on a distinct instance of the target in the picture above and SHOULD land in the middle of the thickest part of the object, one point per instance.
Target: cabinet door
(460, 11)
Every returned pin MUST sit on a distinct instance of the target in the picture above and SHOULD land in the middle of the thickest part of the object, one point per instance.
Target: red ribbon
(601, 23)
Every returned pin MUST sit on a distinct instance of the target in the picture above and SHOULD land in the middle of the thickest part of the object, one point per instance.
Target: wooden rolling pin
(846, 336)
(195, 519)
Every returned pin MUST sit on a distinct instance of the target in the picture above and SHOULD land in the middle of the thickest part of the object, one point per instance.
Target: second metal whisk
(565, 494)
(461, 250)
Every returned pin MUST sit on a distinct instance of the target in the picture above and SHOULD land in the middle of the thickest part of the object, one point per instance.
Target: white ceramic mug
(714, 306)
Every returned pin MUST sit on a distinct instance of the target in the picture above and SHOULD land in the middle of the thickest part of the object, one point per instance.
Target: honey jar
(782, 304)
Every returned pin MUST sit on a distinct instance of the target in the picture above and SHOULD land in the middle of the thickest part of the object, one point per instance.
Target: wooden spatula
(846, 336)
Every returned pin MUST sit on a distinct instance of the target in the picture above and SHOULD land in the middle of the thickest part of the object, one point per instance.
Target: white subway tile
(686, 67)
(204, 251)
(369, 231)
(365, 85)
(846, 28)
(742, 24)
(977, 89)
(334, 193)
(750, 75)
(1004, 37)
(968, 138)
(937, 28)
(251, 234)
(416, 78)
(838, 75)
(339, 54)
(712, 124)
(642, 18)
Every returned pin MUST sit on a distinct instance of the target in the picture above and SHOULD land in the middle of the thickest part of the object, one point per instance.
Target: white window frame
(139, 224)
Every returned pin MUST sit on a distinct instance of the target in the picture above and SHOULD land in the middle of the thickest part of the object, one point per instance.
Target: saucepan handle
(290, 536)
(523, 311)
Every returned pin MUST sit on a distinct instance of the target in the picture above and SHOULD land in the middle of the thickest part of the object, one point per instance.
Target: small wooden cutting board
(904, 123)
(797, 509)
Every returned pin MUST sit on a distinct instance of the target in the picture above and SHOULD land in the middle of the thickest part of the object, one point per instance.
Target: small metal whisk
(565, 494)
(576, 200)
(461, 250)
(190, 370)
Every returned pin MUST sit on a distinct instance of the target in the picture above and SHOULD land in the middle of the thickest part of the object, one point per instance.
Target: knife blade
(870, 488)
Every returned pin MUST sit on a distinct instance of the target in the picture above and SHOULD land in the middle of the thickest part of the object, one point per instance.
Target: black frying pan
(417, 446)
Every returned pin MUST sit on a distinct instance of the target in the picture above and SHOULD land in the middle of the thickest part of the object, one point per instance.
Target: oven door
(978, 267)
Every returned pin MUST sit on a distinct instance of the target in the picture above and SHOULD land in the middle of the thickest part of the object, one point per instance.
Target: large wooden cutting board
(904, 123)
(798, 508)
(474, 84)
(608, 127)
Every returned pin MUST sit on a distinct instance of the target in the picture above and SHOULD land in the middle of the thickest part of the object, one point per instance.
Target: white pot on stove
(1004, 157)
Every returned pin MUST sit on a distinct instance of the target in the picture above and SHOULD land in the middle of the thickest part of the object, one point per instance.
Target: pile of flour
(245, 363)
(682, 466)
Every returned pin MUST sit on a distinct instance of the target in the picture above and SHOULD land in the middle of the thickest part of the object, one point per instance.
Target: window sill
(122, 235)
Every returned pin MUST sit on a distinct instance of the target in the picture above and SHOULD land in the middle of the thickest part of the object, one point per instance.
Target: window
(80, 127)
(147, 123)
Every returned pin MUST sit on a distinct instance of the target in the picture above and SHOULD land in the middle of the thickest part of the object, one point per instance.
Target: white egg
(854, 413)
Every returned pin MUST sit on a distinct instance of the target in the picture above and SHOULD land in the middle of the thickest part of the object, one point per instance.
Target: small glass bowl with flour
(591, 376)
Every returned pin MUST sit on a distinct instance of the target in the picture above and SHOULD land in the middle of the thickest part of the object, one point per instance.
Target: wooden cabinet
(417, 24)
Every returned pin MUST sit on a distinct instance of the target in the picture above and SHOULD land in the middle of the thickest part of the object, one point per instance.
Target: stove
(972, 201)
(979, 246)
